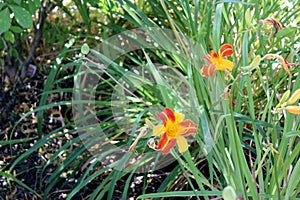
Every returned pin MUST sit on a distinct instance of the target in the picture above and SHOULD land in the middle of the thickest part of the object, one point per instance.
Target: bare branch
(38, 32)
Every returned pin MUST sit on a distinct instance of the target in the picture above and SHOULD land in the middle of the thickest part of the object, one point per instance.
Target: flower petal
(225, 64)
(211, 70)
(188, 127)
(207, 71)
(226, 50)
(170, 145)
(158, 130)
(166, 115)
(293, 109)
(207, 58)
(162, 142)
(204, 71)
(179, 117)
(213, 54)
(188, 123)
(163, 117)
(182, 144)
(170, 114)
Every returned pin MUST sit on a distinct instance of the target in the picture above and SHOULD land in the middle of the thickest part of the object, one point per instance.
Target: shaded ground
(18, 98)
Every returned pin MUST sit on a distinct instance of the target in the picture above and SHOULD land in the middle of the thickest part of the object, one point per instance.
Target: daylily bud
(293, 109)
(255, 62)
(284, 97)
(295, 96)
(248, 18)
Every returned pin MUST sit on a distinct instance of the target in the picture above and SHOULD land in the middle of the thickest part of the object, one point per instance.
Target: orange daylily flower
(217, 61)
(173, 131)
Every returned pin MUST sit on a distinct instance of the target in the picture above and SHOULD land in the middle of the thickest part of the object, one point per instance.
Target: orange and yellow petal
(207, 58)
(171, 143)
(188, 127)
(170, 114)
(179, 117)
(225, 50)
(166, 115)
(163, 117)
(207, 71)
(158, 130)
(213, 55)
(182, 144)
(224, 64)
(162, 142)
(293, 109)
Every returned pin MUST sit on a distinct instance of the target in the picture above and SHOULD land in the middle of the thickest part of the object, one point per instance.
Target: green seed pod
(228, 193)
(85, 49)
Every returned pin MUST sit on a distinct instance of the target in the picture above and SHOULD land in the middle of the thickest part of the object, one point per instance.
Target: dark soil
(18, 98)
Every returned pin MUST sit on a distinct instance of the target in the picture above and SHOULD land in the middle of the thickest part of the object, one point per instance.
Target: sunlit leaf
(22, 16)
(286, 32)
(5, 20)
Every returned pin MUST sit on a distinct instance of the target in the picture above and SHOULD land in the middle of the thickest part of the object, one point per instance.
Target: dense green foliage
(247, 143)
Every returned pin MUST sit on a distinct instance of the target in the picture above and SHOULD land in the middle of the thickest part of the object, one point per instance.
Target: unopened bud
(295, 96)
(293, 109)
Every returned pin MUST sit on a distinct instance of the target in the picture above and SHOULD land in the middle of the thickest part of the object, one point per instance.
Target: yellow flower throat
(172, 129)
